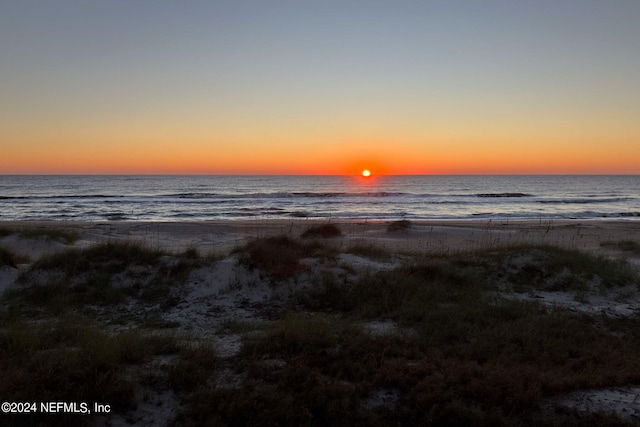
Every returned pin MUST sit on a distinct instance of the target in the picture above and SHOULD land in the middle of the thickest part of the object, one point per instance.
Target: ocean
(201, 198)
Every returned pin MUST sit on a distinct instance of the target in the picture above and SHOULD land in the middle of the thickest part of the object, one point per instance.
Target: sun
(366, 173)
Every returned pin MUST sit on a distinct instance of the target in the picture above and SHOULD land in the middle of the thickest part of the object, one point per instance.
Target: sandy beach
(421, 236)
(220, 282)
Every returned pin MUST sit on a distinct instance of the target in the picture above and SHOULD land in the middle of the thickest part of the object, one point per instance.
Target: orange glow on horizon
(317, 156)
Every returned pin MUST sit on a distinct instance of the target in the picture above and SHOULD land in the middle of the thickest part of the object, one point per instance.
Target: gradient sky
(326, 87)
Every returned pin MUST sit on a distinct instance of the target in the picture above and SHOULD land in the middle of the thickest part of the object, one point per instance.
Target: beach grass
(630, 246)
(280, 256)
(110, 256)
(557, 269)
(74, 361)
(45, 233)
(460, 354)
(428, 339)
(105, 274)
(7, 257)
(322, 231)
(324, 369)
(400, 225)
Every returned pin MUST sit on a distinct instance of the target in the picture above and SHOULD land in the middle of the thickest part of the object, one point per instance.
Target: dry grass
(7, 257)
(630, 246)
(461, 356)
(459, 353)
(106, 274)
(73, 361)
(280, 256)
(323, 231)
(55, 234)
(401, 225)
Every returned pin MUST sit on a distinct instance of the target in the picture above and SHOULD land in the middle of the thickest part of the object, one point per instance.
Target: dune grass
(461, 354)
(105, 274)
(45, 233)
(108, 256)
(400, 225)
(458, 352)
(74, 361)
(7, 257)
(490, 370)
(58, 235)
(280, 256)
(322, 231)
(630, 246)
(557, 269)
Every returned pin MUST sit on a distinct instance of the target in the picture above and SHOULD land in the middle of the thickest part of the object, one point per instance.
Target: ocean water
(196, 198)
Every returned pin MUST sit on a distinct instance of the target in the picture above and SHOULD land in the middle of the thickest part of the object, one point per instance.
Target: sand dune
(225, 291)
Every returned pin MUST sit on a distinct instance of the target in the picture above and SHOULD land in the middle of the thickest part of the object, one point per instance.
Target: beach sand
(228, 292)
(421, 236)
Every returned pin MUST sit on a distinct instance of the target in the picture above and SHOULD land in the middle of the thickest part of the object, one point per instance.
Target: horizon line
(317, 174)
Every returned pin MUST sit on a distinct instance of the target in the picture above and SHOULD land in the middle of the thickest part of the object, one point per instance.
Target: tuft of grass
(55, 234)
(105, 274)
(73, 361)
(624, 245)
(325, 293)
(112, 256)
(191, 253)
(195, 367)
(4, 232)
(7, 257)
(413, 292)
(369, 250)
(557, 269)
(322, 231)
(280, 256)
(400, 225)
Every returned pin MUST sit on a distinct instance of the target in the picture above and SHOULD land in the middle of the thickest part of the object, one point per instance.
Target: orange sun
(366, 173)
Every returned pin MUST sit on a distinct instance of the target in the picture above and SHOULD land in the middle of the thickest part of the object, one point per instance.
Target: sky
(320, 87)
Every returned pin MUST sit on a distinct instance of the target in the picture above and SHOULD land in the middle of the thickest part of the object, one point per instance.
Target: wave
(65, 196)
(282, 195)
(583, 201)
(503, 195)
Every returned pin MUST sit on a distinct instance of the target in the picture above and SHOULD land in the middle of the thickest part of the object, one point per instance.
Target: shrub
(58, 235)
(280, 256)
(401, 225)
(324, 231)
(7, 257)
(72, 361)
(104, 274)
(112, 256)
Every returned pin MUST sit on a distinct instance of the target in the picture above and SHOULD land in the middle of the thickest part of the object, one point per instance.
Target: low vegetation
(459, 354)
(106, 274)
(322, 231)
(58, 235)
(71, 360)
(401, 225)
(630, 246)
(457, 348)
(280, 256)
(556, 269)
(7, 257)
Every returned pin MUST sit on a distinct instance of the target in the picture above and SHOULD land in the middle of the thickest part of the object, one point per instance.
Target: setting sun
(366, 173)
